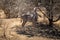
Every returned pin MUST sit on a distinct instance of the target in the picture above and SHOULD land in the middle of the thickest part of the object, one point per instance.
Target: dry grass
(10, 30)
(8, 24)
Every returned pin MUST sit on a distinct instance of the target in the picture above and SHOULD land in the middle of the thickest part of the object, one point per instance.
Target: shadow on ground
(40, 30)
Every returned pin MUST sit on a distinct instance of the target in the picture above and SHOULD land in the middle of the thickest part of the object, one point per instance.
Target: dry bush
(13, 8)
(56, 14)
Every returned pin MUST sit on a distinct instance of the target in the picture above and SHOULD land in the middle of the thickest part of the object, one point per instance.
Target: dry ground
(9, 26)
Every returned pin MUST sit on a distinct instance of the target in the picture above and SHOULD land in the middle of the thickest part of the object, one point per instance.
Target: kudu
(33, 16)
(30, 15)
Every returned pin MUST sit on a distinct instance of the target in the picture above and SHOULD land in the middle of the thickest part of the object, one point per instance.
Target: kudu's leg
(24, 20)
